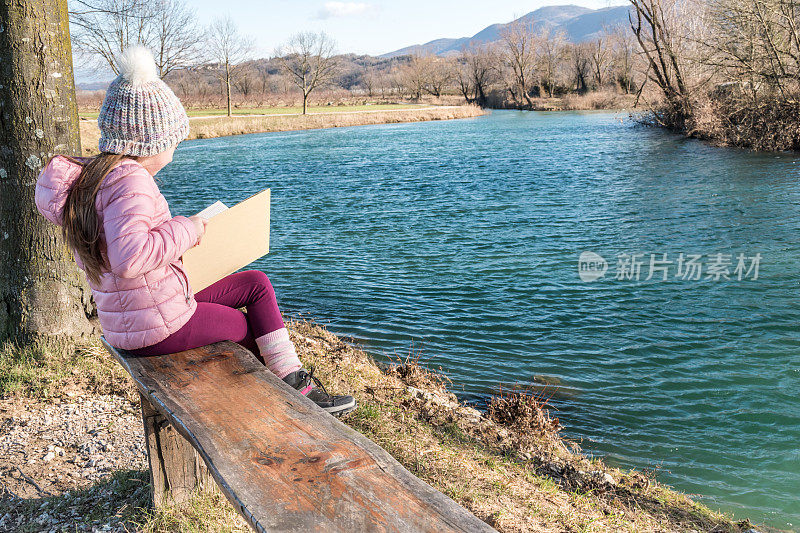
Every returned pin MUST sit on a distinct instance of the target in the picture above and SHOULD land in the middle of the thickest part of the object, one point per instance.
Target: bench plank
(283, 462)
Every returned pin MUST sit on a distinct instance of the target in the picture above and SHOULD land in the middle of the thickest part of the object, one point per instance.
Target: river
(460, 241)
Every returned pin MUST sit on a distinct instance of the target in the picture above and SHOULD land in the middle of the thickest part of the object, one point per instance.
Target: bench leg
(176, 469)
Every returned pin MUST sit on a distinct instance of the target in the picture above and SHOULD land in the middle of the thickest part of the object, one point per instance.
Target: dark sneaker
(305, 382)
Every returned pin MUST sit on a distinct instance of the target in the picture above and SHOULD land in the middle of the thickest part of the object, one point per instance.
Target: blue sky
(371, 26)
(364, 26)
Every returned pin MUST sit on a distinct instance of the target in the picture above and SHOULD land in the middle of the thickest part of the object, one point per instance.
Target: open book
(234, 238)
(214, 209)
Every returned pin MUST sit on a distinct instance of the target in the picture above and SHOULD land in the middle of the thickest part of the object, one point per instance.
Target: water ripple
(460, 240)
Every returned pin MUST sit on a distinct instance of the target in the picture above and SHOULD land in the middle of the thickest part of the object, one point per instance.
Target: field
(285, 110)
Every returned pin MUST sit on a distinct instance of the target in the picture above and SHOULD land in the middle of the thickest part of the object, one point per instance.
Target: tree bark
(228, 86)
(42, 292)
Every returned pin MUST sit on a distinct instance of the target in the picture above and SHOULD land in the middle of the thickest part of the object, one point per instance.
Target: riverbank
(206, 127)
(591, 101)
(72, 452)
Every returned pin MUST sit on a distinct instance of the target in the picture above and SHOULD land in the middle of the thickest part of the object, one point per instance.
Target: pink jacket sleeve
(135, 245)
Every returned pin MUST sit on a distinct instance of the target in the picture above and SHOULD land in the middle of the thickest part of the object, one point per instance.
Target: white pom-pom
(136, 65)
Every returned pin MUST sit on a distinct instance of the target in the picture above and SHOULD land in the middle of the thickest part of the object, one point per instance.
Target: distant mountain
(578, 23)
(587, 26)
(438, 47)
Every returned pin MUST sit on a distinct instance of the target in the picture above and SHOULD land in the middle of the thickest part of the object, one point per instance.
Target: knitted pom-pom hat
(140, 114)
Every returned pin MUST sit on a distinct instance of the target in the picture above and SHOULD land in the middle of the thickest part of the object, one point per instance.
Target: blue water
(460, 240)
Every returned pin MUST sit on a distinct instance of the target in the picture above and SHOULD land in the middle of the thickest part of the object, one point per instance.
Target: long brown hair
(81, 225)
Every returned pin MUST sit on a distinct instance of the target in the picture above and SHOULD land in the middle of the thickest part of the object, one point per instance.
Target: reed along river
(461, 240)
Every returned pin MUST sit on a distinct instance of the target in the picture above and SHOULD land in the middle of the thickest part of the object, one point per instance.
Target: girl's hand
(199, 226)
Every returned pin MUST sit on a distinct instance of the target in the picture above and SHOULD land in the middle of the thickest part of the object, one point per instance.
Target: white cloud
(343, 9)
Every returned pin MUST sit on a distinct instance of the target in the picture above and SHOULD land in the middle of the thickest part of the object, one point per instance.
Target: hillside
(578, 23)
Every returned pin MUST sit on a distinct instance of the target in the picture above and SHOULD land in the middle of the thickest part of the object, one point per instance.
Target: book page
(214, 209)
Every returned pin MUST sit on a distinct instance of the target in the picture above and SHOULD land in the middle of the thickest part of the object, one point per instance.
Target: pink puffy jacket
(144, 296)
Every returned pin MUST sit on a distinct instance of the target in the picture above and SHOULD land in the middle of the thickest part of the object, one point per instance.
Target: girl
(123, 236)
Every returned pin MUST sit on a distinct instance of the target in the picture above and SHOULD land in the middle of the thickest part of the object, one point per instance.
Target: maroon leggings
(218, 318)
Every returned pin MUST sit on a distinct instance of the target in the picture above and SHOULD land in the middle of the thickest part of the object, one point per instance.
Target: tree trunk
(305, 101)
(228, 86)
(42, 292)
(524, 91)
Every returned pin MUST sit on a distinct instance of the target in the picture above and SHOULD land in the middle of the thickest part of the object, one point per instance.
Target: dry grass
(507, 466)
(208, 127)
(92, 113)
(207, 511)
(49, 369)
(525, 411)
(321, 98)
(597, 100)
(605, 99)
(216, 127)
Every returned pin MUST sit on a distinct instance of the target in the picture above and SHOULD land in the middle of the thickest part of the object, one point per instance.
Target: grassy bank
(204, 127)
(509, 465)
(283, 110)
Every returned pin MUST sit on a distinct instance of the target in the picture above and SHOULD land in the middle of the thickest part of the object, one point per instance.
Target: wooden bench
(285, 464)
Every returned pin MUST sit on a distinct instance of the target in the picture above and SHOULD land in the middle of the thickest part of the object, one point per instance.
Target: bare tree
(758, 42)
(228, 49)
(655, 25)
(398, 82)
(752, 55)
(43, 295)
(388, 81)
(439, 74)
(309, 60)
(551, 50)
(368, 78)
(464, 81)
(264, 75)
(580, 64)
(623, 46)
(414, 75)
(188, 81)
(244, 80)
(477, 72)
(105, 28)
(175, 36)
(600, 57)
(284, 82)
(519, 57)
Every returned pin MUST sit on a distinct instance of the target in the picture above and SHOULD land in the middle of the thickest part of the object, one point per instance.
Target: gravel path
(69, 449)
